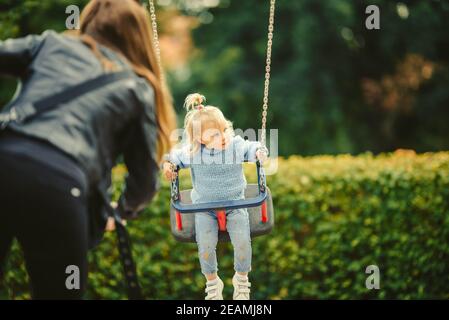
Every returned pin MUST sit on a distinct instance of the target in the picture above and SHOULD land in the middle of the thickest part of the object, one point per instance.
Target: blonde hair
(198, 114)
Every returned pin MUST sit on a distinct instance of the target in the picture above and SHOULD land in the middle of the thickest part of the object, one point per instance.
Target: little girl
(215, 155)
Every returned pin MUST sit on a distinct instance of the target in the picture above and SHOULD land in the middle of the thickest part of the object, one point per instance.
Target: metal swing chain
(267, 66)
(174, 187)
(157, 47)
(267, 71)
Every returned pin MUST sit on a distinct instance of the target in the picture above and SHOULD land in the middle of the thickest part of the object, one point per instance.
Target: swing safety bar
(219, 206)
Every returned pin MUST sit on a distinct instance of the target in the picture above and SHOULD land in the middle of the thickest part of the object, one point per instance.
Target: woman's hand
(110, 224)
(169, 173)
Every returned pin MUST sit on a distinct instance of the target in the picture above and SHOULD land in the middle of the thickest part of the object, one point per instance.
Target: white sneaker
(241, 287)
(214, 289)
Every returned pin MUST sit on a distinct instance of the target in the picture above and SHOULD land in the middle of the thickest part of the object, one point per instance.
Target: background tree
(336, 86)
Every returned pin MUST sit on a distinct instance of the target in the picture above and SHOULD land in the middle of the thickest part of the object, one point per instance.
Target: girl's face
(214, 136)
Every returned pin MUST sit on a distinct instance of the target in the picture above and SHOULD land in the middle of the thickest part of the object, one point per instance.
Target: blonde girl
(215, 155)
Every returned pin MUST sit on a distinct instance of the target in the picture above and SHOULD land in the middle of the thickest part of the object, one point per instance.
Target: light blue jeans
(237, 225)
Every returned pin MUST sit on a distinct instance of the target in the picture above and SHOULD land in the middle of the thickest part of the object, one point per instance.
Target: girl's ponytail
(194, 101)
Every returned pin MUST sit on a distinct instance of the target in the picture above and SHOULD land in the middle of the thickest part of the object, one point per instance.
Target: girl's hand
(262, 154)
(168, 171)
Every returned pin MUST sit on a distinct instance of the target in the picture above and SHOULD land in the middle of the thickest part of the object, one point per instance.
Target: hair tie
(194, 101)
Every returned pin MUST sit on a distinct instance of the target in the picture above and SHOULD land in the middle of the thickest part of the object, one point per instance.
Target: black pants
(46, 210)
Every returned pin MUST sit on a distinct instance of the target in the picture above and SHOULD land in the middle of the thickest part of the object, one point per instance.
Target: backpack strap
(125, 251)
(27, 111)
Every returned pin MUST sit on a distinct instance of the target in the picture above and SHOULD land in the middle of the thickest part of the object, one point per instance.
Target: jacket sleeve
(17, 54)
(142, 181)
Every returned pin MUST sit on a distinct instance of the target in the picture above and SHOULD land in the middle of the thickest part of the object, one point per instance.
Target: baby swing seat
(257, 200)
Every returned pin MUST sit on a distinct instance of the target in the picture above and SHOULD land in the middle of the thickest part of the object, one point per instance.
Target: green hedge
(335, 216)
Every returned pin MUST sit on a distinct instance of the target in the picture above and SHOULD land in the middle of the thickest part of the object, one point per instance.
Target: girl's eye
(215, 135)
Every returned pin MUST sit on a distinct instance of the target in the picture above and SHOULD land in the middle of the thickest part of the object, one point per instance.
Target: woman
(55, 167)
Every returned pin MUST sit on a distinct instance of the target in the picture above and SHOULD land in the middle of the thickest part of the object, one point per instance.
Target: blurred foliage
(334, 217)
(339, 87)
(323, 57)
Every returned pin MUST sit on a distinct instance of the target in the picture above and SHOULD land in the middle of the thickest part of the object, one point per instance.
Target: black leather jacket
(96, 128)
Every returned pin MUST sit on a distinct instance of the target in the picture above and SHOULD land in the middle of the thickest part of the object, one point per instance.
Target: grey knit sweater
(217, 174)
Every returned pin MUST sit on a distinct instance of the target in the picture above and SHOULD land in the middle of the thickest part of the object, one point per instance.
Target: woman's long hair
(124, 26)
